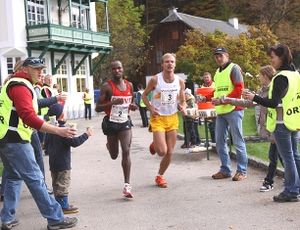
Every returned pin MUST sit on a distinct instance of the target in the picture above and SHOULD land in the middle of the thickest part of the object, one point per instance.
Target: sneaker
(161, 182)
(127, 191)
(70, 210)
(282, 197)
(152, 149)
(220, 175)
(266, 186)
(239, 176)
(183, 146)
(66, 223)
(9, 225)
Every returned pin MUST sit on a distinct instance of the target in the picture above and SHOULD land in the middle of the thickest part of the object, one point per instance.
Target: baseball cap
(220, 50)
(34, 62)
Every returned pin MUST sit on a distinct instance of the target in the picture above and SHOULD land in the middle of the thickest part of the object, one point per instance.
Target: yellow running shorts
(164, 123)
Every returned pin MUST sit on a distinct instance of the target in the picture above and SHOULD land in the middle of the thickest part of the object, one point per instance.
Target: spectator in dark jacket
(59, 150)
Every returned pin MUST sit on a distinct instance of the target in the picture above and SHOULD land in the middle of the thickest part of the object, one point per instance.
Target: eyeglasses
(33, 61)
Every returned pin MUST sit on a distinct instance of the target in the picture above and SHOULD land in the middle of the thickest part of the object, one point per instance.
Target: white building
(63, 33)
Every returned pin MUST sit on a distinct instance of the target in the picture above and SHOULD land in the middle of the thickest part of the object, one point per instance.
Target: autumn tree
(127, 37)
(281, 16)
(248, 50)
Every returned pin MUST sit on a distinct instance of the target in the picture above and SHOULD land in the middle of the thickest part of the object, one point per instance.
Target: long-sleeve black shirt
(280, 88)
(46, 102)
(59, 150)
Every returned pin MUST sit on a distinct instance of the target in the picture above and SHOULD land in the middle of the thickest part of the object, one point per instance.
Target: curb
(252, 161)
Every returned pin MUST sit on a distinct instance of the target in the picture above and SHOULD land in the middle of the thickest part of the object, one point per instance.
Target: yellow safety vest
(45, 110)
(87, 98)
(9, 119)
(223, 86)
(142, 104)
(290, 103)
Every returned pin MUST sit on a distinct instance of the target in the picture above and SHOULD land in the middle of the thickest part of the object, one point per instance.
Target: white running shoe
(127, 191)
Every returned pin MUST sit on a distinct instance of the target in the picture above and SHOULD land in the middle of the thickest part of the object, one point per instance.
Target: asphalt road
(192, 201)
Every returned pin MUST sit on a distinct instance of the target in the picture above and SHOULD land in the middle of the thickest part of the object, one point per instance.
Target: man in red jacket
(18, 115)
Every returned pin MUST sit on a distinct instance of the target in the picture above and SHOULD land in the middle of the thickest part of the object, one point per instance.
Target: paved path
(192, 201)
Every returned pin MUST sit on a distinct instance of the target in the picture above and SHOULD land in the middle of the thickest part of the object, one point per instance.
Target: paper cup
(72, 125)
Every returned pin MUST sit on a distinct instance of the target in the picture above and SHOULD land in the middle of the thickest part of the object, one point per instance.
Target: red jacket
(22, 99)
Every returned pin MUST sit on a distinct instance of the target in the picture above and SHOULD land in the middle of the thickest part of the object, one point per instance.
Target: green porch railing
(59, 33)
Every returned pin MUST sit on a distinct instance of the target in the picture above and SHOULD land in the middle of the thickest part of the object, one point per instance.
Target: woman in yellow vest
(87, 99)
(141, 105)
(283, 104)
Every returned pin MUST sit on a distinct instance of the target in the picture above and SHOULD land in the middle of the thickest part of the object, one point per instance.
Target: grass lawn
(258, 149)
(249, 126)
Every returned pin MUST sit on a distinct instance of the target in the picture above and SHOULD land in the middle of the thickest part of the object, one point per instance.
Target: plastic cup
(72, 125)
(52, 120)
(245, 91)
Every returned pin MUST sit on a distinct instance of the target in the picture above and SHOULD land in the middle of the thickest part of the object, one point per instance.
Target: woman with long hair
(282, 119)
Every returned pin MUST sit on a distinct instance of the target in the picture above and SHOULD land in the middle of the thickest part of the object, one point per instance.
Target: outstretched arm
(182, 103)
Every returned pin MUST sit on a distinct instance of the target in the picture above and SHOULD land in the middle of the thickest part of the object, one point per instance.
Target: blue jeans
(234, 121)
(20, 164)
(286, 142)
(38, 152)
(3, 181)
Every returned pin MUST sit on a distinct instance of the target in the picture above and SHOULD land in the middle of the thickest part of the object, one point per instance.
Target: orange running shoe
(152, 149)
(161, 182)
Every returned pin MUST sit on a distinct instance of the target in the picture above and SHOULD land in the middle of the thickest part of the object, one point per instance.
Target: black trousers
(273, 159)
(87, 110)
(143, 112)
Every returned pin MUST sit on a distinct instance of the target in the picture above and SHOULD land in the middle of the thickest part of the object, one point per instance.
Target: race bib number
(119, 113)
(168, 96)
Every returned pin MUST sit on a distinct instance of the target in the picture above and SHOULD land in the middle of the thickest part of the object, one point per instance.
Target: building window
(81, 70)
(36, 12)
(11, 61)
(62, 70)
(61, 77)
(175, 35)
(80, 74)
(80, 83)
(45, 70)
(63, 83)
(78, 12)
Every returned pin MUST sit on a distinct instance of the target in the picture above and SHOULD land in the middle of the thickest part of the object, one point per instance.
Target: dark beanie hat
(56, 110)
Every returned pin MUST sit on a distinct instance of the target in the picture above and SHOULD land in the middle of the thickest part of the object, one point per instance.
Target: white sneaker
(266, 187)
(127, 191)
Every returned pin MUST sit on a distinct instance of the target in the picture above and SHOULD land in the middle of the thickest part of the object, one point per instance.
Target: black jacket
(59, 150)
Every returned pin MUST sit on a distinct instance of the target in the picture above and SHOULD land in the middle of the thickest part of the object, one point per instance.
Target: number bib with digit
(168, 96)
(119, 113)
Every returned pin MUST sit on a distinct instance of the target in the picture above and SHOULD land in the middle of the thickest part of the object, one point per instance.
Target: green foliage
(247, 50)
(127, 37)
